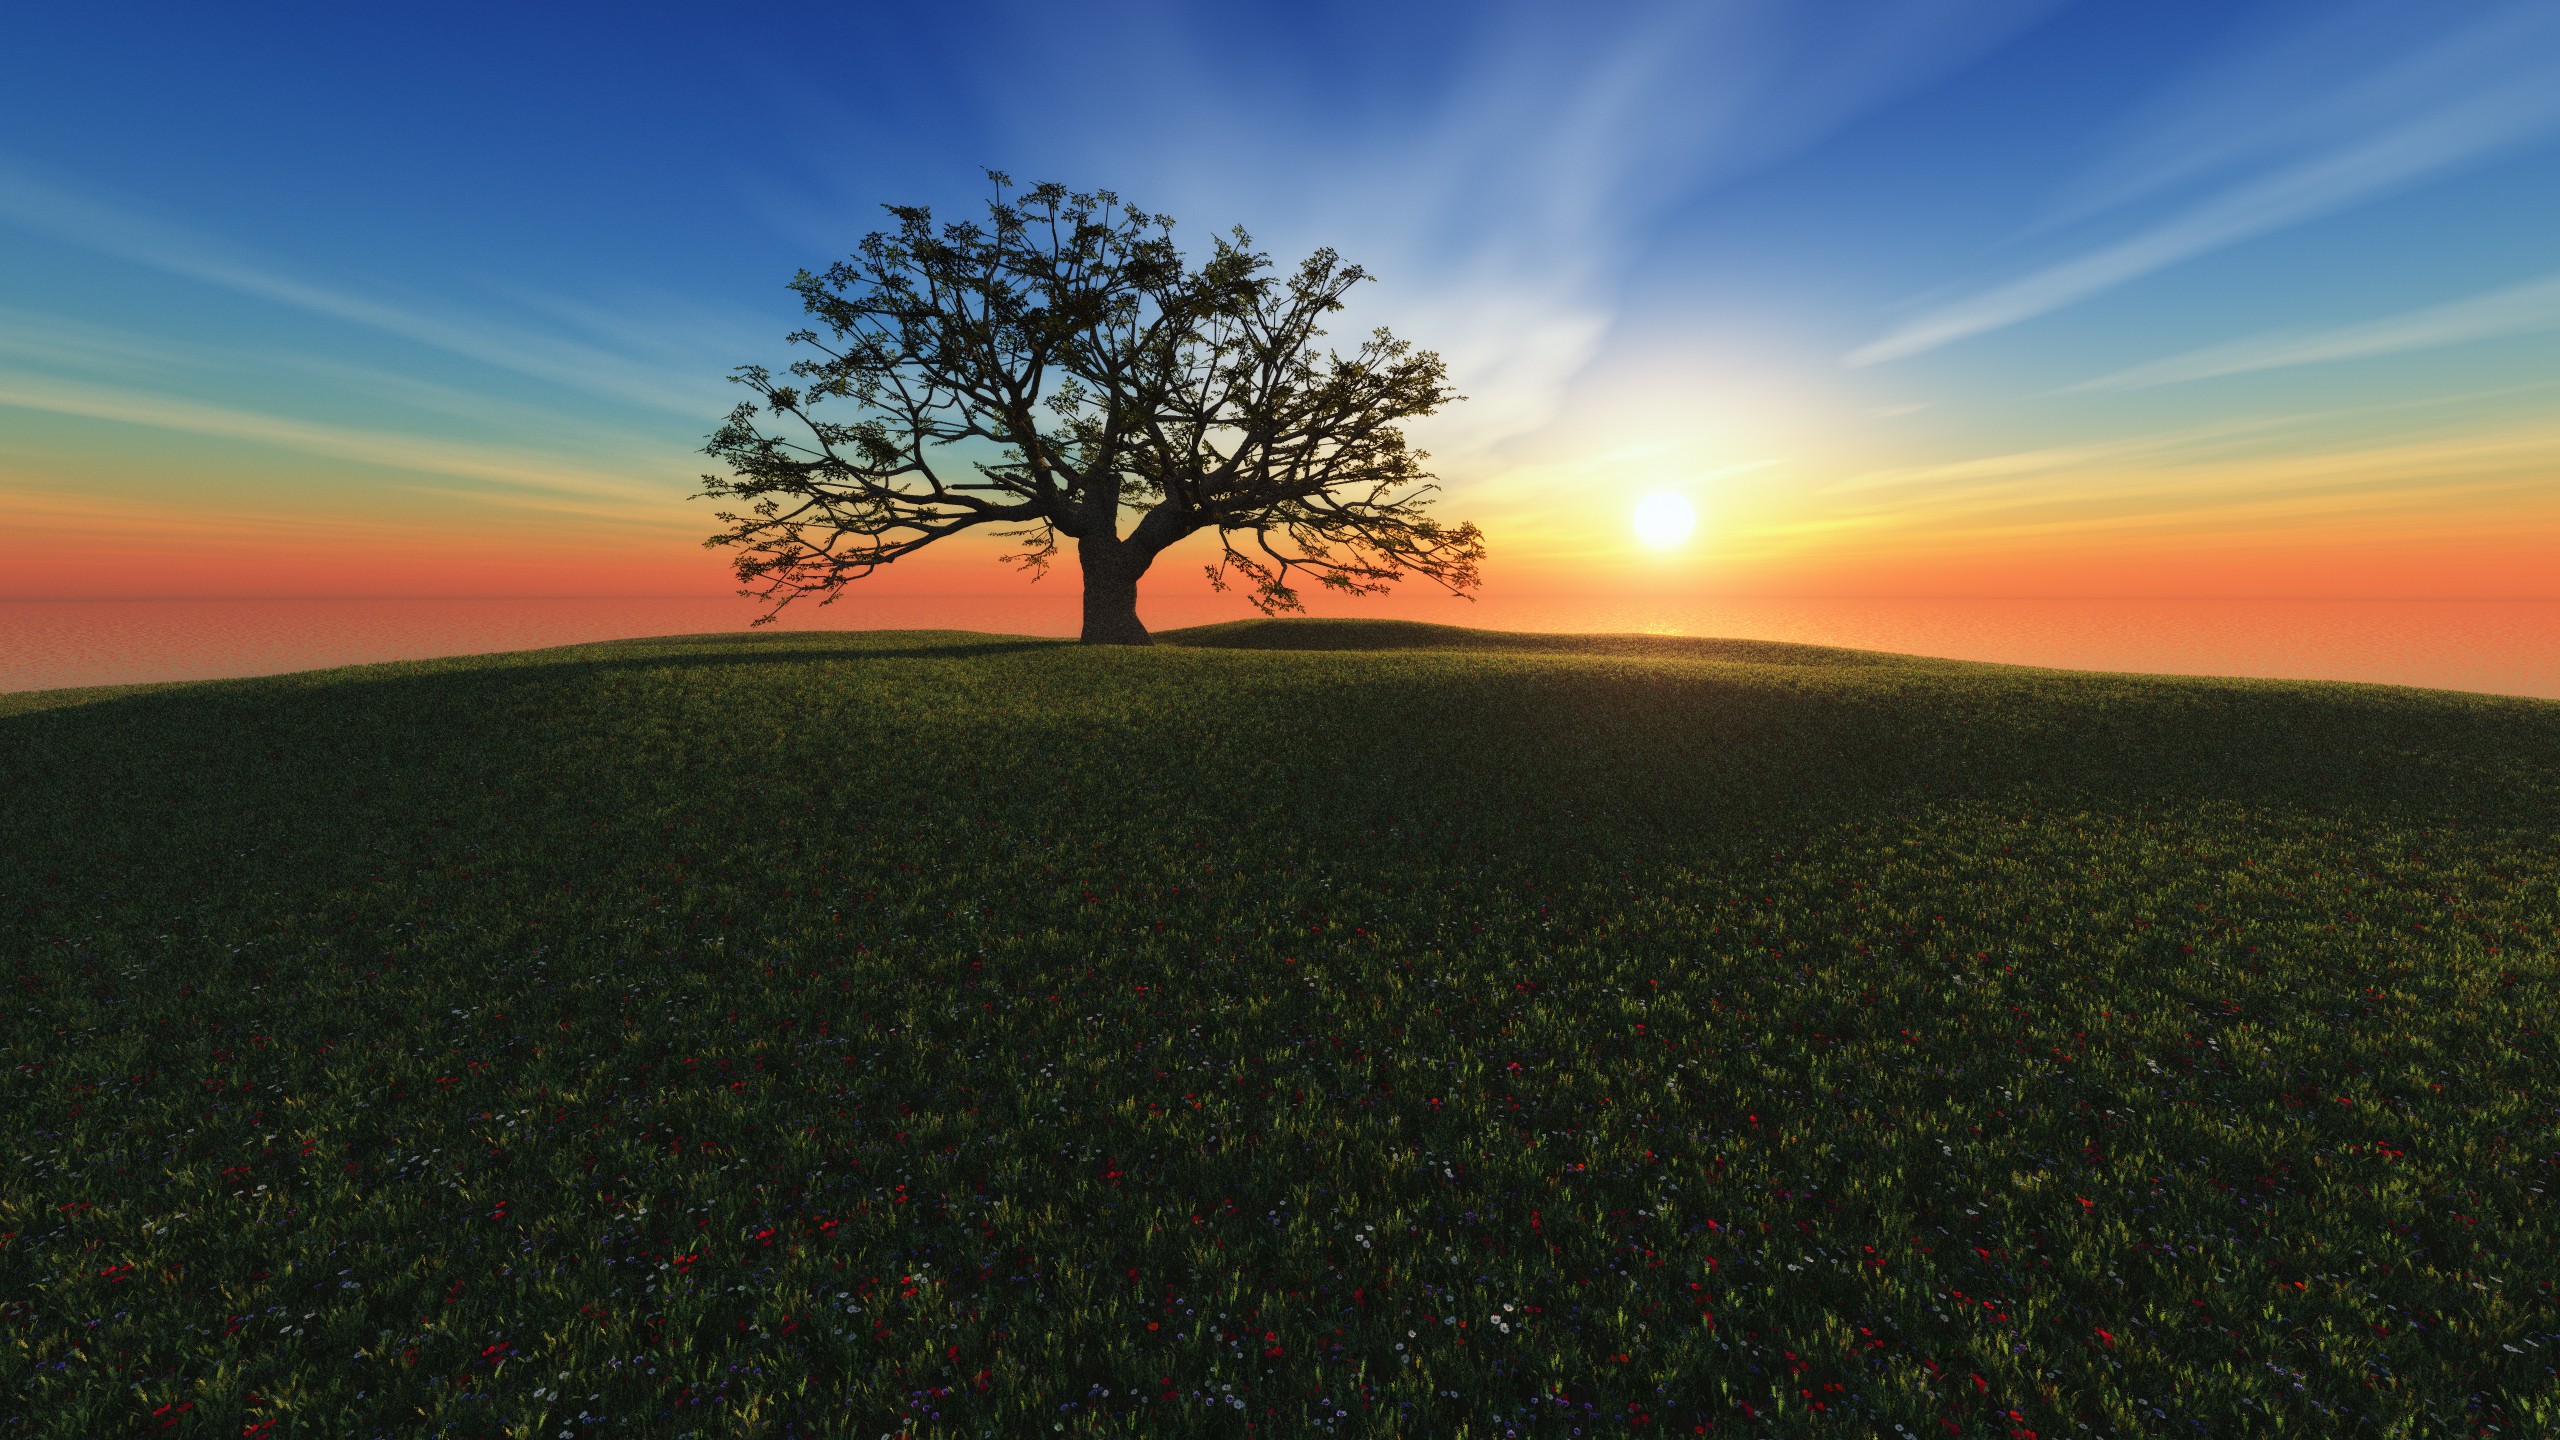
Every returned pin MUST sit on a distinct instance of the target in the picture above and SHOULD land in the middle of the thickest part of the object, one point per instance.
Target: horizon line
(1540, 595)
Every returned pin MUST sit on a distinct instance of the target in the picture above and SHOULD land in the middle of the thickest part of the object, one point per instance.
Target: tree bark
(1111, 570)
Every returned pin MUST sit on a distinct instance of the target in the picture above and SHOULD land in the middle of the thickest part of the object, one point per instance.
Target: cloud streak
(2388, 122)
(2226, 479)
(65, 214)
(1526, 217)
(1503, 186)
(59, 346)
(2527, 309)
(503, 469)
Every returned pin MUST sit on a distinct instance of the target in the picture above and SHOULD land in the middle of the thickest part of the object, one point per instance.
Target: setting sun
(1663, 520)
(1486, 586)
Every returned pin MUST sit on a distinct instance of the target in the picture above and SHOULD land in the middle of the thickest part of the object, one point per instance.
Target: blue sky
(1857, 275)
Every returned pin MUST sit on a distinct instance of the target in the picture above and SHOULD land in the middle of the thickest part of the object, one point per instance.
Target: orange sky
(1968, 304)
(1750, 541)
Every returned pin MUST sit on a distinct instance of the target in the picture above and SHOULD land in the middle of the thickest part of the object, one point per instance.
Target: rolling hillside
(1327, 1027)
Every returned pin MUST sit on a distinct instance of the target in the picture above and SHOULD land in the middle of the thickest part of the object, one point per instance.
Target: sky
(1959, 298)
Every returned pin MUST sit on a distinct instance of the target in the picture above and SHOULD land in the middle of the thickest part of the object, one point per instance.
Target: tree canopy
(1062, 368)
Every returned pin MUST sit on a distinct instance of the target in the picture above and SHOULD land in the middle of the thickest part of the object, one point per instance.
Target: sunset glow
(2011, 298)
(1295, 718)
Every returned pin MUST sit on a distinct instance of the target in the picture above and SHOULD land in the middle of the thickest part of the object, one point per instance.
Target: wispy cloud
(64, 347)
(1499, 171)
(2518, 310)
(69, 214)
(2010, 469)
(2239, 477)
(2362, 111)
(496, 469)
(1507, 221)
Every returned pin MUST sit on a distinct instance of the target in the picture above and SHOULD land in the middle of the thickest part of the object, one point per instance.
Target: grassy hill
(1330, 1028)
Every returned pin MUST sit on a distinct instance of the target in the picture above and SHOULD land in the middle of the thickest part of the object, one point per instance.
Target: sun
(1664, 520)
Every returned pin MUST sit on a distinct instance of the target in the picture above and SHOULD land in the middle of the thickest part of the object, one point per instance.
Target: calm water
(2509, 647)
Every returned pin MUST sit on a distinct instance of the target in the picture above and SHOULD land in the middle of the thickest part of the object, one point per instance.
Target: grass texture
(1293, 1029)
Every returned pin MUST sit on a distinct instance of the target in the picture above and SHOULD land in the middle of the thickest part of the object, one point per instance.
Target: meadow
(1296, 1028)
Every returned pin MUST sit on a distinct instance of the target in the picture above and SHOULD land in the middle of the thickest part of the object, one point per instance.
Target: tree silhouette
(1059, 368)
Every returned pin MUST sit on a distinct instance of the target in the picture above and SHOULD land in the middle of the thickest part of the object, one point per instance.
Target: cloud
(2385, 119)
(498, 469)
(60, 346)
(66, 214)
(1497, 169)
(2518, 310)
(1514, 211)
(2248, 475)
(2030, 468)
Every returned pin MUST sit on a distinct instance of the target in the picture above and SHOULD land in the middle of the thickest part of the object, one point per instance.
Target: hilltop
(1364, 1025)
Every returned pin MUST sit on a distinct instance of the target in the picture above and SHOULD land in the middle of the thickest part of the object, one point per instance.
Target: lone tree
(1061, 368)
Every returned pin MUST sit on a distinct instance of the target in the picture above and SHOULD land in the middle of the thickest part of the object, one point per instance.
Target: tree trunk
(1111, 571)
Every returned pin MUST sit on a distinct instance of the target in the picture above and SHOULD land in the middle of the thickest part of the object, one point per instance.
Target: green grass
(1321, 1028)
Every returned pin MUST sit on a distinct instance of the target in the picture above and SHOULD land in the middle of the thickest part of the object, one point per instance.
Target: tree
(1060, 369)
